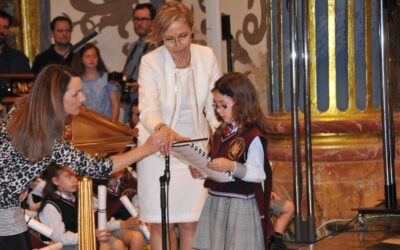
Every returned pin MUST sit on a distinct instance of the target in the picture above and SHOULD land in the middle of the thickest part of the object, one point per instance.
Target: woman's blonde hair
(167, 14)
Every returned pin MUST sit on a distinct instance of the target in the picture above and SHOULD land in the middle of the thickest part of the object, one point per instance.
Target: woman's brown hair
(168, 13)
(40, 119)
(246, 110)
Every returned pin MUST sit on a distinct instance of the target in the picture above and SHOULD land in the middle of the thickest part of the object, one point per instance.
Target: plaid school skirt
(228, 223)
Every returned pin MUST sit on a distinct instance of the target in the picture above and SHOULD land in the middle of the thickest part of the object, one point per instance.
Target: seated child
(59, 209)
(283, 210)
(121, 224)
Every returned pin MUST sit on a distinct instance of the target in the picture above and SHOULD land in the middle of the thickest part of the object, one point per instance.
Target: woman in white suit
(175, 82)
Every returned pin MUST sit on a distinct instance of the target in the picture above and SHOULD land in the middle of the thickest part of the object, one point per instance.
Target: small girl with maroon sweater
(233, 215)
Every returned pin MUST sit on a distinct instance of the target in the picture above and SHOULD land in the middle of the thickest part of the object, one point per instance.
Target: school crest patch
(236, 148)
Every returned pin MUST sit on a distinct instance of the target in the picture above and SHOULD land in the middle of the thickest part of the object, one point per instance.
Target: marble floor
(370, 237)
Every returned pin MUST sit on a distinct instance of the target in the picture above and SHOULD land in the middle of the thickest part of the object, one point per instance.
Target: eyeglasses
(223, 106)
(141, 19)
(181, 37)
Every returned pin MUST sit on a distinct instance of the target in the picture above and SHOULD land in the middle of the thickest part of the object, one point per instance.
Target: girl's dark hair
(53, 170)
(40, 119)
(246, 110)
(78, 65)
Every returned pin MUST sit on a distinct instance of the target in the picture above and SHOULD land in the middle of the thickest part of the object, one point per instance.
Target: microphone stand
(72, 48)
(164, 182)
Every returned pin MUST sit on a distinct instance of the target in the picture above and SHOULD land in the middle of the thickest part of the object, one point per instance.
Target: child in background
(59, 209)
(121, 224)
(134, 114)
(236, 213)
(101, 95)
(283, 210)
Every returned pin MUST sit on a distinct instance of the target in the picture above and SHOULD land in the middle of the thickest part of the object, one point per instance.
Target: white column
(214, 33)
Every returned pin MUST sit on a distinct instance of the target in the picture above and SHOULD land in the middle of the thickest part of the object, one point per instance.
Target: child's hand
(34, 206)
(130, 222)
(222, 165)
(103, 235)
(23, 195)
(195, 172)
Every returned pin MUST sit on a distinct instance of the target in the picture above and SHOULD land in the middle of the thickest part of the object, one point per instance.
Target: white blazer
(160, 96)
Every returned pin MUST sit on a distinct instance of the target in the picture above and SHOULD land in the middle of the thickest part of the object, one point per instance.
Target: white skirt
(186, 195)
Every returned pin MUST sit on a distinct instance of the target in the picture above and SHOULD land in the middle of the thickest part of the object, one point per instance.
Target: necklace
(183, 61)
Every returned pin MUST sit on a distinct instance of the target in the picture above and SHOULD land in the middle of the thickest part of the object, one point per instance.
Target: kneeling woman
(31, 136)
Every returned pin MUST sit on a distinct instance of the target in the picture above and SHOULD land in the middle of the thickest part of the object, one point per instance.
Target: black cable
(341, 230)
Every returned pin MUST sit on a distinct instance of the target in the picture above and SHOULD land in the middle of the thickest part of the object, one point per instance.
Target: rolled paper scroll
(39, 227)
(145, 231)
(132, 210)
(101, 209)
(129, 206)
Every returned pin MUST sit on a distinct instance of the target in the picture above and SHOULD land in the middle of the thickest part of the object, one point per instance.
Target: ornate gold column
(30, 14)
(87, 233)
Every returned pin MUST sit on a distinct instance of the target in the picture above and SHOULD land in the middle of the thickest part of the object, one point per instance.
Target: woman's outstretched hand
(172, 137)
(156, 142)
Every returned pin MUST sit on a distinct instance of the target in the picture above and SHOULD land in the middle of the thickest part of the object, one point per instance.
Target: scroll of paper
(132, 210)
(55, 246)
(101, 209)
(39, 227)
(197, 157)
(129, 206)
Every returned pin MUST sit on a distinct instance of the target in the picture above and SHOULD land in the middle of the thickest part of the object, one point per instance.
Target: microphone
(77, 45)
(83, 41)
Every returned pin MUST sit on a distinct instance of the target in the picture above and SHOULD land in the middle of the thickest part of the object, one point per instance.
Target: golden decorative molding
(351, 65)
(368, 56)
(276, 64)
(331, 117)
(312, 56)
(86, 228)
(332, 56)
(30, 14)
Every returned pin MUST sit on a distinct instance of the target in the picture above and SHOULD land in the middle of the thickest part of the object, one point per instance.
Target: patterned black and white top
(17, 173)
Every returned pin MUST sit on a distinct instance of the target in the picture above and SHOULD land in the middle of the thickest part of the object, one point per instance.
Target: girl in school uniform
(59, 210)
(122, 225)
(233, 215)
